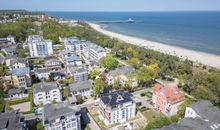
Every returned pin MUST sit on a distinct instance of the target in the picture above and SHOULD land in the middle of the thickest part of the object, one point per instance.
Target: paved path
(89, 120)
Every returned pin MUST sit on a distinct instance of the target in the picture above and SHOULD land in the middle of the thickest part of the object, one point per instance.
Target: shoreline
(196, 56)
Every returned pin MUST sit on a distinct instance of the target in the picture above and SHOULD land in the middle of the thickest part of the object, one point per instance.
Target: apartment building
(61, 117)
(116, 107)
(45, 93)
(39, 47)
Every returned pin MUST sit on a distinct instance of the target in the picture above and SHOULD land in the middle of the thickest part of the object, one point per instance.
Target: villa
(124, 75)
(82, 88)
(21, 77)
(167, 99)
(42, 73)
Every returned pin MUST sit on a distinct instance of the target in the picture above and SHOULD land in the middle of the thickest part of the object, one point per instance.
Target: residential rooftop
(45, 87)
(122, 71)
(20, 71)
(61, 110)
(116, 98)
(81, 85)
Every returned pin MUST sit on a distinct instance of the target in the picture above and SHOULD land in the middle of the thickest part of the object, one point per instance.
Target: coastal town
(75, 83)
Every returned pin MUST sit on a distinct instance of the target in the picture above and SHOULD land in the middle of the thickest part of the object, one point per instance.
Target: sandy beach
(196, 56)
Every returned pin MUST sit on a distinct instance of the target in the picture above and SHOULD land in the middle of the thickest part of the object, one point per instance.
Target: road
(89, 120)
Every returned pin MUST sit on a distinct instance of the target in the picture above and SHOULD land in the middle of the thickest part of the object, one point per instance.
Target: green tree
(99, 86)
(146, 74)
(204, 93)
(109, 62)
(94, 73)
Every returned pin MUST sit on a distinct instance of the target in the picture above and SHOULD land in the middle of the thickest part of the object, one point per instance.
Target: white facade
(116, 107)
(120, 114)
(46, 96)
(61, 117)
(39, 47)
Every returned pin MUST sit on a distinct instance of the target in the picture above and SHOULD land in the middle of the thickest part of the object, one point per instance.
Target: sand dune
(196, 56)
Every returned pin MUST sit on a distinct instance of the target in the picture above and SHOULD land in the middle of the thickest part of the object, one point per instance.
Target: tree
(109, 62)
(204, 93)
(79, 99)
(94, 73)
(158, 122)
(146, 74)
(99, 86)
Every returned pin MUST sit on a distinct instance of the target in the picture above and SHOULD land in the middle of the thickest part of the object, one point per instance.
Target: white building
(42, 73)
(39, 47)
(61, 117)
(124, 75)
(16, 93)
(45, 93)
(79, 74)
(116, 107)
(95, 52)
(82, 88)
(74, 44)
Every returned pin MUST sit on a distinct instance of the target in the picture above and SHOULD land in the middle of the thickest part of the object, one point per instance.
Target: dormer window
(119, 98)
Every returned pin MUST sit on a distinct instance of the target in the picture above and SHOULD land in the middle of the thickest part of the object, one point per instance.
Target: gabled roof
(172, 93)
(45, 87)
(18, 60)
(20, 71)
(16, 91)
(11, 120)
(96, 47)
(81, 85)
(116, 98)
(122, 71)
(54, 111)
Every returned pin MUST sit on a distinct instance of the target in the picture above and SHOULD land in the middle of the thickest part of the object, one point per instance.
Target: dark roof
(45, 87)
(81, 85)
(16, 91)
(54, 111)
(116, 98)
(11, 120)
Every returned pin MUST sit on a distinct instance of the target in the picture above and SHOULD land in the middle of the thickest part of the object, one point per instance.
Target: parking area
(23, 107)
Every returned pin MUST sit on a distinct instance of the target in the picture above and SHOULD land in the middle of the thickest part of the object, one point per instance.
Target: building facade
(167, 99)
(21, 77)
(45, 93)
(116, 107)
(61, 117)
(39, 47)
(82, 88)
(52, 63)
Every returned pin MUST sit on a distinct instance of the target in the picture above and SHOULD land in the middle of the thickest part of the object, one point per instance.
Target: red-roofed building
(167, 99)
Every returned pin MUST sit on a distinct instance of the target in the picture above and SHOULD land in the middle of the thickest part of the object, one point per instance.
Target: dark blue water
(192, 30)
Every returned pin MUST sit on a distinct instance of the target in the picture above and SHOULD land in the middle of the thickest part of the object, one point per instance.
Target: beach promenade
(196, 56)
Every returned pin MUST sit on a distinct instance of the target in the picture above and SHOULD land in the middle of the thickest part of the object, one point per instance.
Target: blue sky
(111, 5)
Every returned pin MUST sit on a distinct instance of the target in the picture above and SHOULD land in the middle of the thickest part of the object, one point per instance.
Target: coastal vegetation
(200, 81)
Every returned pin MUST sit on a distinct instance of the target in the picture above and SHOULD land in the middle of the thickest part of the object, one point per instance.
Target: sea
(199, 31)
